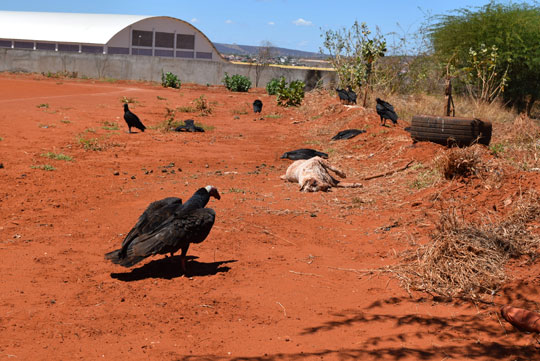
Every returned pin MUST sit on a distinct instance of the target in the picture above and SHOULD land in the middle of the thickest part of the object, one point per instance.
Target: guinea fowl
(303, 153)
(189, 126)
(386, 111)
(132, 120)
(257, 106)
(347, 134)
(167, 226)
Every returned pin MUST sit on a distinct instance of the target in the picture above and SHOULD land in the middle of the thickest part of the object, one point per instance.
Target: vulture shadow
(170, 267)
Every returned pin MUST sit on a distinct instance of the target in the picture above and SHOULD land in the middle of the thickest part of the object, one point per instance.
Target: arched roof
(70, 27)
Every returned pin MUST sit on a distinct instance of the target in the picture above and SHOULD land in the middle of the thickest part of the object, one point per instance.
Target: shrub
(272, 86)
(170, 80)
(290, 94)
(201, 104)
(237, 83)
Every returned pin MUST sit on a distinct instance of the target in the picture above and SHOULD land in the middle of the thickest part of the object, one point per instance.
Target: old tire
(450, 130)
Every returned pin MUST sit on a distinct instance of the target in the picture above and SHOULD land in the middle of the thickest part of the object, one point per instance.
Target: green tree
(353, 52)
(512, 29)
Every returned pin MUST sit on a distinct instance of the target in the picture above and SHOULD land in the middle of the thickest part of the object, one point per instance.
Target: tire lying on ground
(450, 130)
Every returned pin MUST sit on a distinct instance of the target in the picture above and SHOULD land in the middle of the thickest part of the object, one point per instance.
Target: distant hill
(235, 49)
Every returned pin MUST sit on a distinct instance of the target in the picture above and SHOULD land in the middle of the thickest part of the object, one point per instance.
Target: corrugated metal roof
(64, 27)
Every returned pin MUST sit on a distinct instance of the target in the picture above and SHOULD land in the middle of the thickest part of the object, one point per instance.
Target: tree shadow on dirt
(170, 267)
(471, 332)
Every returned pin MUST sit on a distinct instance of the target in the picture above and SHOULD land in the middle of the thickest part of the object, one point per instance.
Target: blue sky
(292, 24)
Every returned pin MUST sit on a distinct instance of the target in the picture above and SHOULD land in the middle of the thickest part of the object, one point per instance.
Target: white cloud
(194, 20)
(271, 23)
(302, 22)
(228, 21)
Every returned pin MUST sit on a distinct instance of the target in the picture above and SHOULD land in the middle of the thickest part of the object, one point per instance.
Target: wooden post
(449, 106)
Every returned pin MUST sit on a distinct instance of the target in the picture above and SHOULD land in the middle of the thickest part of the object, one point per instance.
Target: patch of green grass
(205, 127)
(57, 156)
(43, 106)
(89, 130)
(110, 125)
(46, 167)
(497, 149)
(330, 151)
(65, 121)
(273, 116)
(109, 80)
(425, 179)
(161, 98)
(236, 190)
(239, 112)
(1, 139)
(315, 117)
(93, 144)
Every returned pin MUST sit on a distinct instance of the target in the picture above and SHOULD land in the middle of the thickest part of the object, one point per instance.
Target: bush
(272, 86)
(290, 94)
(237, 83)
(170, 80)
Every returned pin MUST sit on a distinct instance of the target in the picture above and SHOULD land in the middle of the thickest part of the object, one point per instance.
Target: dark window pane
(141, 38)
(45, 46)
(24, 45)
(185, 54)
(164, 40)
(167, 53)
(5, 43)
(117, 50)
(92, 49)
(136, 51)
(204, 55)
(68, 47)
(184, 41)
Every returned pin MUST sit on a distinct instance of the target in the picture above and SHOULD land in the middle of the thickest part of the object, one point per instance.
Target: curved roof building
(105, 34)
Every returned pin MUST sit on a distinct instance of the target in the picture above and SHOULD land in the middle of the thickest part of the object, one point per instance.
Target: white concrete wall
(149, 68)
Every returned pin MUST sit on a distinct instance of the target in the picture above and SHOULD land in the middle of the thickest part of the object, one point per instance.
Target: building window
(204, 55)
(117, 50)
(185, 54)
(68, 47)
(92, 49)
(147, 52)
(45, 46)
(165, 40)
(141, 38)
(24, 45)
(166, 53)
(5, 43)
(184, 41)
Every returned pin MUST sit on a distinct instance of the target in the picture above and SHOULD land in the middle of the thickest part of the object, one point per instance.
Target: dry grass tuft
(461, 162)
(468, 260)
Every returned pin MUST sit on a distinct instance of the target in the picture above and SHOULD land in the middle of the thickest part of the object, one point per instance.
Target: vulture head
(213, 192)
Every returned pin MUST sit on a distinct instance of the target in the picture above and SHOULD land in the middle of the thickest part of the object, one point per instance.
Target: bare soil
(281, 275)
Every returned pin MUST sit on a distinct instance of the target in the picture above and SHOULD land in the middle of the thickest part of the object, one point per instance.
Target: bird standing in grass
(132, 120)
(386, 111)
(167, 226)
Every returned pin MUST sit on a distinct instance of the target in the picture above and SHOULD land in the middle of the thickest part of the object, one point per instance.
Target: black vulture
(351, 95)
(167, 226)
(257, 106)
(132, 120)
(343, 96)
(348, 134)
(303, 153)
(386, 111)
(189, 126)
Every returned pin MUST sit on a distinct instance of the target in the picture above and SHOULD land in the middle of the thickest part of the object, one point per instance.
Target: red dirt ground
(277, 278)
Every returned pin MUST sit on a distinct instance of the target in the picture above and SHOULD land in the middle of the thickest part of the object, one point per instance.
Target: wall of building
(150, 68)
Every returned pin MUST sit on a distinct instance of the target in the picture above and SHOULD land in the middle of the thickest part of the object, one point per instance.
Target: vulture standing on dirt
(347, 96)
(347, 134)
(189, 126)
(257, 106)
(386, 111)
(132, 120)
(352, 95)
(166, 226)
(303, 153)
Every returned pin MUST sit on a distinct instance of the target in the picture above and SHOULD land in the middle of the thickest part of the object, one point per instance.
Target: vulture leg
(183, 259)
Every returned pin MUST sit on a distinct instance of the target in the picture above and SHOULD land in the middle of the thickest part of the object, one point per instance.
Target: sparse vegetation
(57, 156)
(201, 105)
(170, 80)
(46, 167)
(43, 106)
(237, 83)
(110, 125)
(160, 98)
(128, 100)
